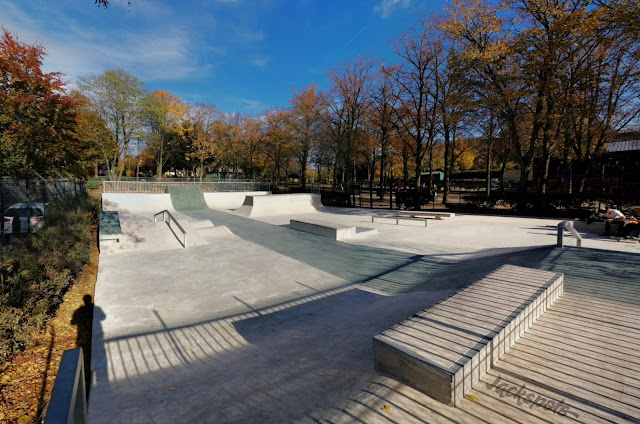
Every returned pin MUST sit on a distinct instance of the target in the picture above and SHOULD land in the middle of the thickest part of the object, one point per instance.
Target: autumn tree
(202, 134)
(381, 116)
(306, 115)
(38, 120)
(418, 93)
(115, 95)
(93, 133)
(603, 94)
(231, 156)
(276, 142)
(250, 144)
(162, 114)
(487, 125)
(345, 112)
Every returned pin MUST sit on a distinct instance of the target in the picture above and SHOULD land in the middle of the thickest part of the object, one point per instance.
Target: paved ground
(265, 324)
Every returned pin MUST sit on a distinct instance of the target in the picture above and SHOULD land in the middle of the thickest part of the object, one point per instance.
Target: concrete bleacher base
(444, 350)
(230, 200)
(280, 204)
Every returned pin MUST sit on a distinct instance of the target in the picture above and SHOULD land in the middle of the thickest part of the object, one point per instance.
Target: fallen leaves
(27, 378)
(472, 398)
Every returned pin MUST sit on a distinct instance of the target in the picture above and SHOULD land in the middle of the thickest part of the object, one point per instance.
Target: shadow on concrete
(300, 359)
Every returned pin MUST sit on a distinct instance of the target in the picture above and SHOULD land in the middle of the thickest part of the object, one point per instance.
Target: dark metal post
(560, 242)
(68, 403)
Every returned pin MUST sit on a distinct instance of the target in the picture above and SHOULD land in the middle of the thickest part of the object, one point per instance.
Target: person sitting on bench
(612, 214)
(631, 229)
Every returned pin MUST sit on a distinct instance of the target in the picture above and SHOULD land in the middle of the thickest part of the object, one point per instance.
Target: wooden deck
(580, 360)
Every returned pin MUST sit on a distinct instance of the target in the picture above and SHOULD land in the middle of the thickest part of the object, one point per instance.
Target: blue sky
(241, 55)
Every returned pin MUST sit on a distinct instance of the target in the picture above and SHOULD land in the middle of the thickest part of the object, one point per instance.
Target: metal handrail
(68, 403)
(165, 213)
(568, 225)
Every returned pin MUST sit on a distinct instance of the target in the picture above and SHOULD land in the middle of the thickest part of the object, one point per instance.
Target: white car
(29, 215)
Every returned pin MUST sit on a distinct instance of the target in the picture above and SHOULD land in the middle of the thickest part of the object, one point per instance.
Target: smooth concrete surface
(267, 324)
(445, 350)
(133, 205)
(278, 204)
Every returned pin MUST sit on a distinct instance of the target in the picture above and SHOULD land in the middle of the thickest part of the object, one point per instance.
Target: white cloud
(151, 54)
(259, 62)
(251, 104)
(386, 7)
(247, 35)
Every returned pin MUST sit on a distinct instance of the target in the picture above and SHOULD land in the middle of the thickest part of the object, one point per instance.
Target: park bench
(444, 350)
(109, 226)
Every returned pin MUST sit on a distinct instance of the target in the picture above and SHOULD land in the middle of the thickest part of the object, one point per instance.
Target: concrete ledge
(324, 229)
(446, 349)
(109, 226)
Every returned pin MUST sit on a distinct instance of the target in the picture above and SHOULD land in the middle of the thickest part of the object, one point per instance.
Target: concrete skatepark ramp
(280, 204)
(263, 323)
(187, 198)
(131, 205)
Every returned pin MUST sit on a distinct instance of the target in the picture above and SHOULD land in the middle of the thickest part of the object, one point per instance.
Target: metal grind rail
(167, 217)
(568, 225)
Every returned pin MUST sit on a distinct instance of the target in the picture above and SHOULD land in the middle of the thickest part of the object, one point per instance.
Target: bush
(409, 199)
(35, 272)
(94, 184)
(335, 198)
(576, 205)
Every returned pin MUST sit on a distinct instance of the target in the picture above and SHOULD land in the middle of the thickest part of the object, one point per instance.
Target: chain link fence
(24, 202)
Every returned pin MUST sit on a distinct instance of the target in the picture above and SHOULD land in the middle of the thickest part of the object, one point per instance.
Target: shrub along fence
(575, 205)
(36, 271)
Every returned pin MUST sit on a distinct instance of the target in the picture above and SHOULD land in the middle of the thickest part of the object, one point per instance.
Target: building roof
(624, 146)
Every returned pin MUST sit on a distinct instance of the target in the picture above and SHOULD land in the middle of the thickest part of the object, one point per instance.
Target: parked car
(20, 217)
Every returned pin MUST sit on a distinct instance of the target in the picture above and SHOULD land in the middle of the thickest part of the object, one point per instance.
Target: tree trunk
(303, 172)
(488, 170)
(546, 160)
(447, 164)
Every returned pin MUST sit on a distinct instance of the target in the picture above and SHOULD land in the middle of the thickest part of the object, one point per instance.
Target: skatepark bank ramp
(185, 198)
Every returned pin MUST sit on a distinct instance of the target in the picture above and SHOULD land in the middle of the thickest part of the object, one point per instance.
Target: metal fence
(31, 191)
(162, 187)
